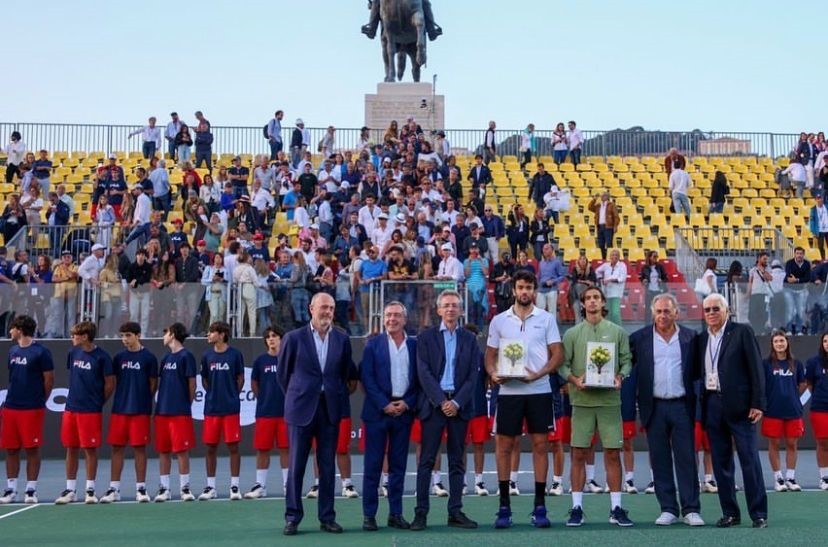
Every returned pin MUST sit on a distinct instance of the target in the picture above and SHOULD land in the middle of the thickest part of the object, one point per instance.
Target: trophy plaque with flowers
(600, 365)
(511, 359)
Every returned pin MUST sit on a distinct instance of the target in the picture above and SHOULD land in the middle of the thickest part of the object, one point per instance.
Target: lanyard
(714, 355)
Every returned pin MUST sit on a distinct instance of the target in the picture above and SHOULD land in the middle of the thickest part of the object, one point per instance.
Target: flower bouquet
(511, 361)
(600, 365)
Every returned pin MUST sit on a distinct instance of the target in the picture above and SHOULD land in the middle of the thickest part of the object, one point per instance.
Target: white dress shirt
(172, 129)
(679, 182)
(15, 151)
(149, 134)
(575, 138)
(451, 267)
(667, 377)
(262, 200)
(143, 208)
(618, 272)
(399, 367)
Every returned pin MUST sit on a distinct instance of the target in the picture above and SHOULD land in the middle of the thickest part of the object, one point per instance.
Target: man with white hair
(733, 401)
(92, 264)
(612, 276)
(161, 198)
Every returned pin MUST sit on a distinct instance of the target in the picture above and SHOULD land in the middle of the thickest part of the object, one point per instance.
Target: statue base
(399, 100)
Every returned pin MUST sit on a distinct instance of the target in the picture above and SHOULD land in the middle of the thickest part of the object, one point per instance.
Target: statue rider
(432, 29)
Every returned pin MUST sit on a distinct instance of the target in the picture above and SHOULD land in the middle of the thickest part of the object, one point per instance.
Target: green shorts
(606, 418)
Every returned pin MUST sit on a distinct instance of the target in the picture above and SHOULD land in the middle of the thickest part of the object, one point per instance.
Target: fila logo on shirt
(170, 366)
(18, 360)
(85, 365)
(135, 365)
(270, 369)
(219, 366)
(782, 372)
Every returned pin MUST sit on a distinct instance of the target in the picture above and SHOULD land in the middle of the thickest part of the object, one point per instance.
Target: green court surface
(795, 519)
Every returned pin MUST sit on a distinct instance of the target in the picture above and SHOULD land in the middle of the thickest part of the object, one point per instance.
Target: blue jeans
(206, 157)
(681, 203)
(716, 208)
(299, 300)
(171, 149)
(559, 156)
(148, 149)
(605, 239)
(575, 156)
(275, 148)
(795, 305)
(163, 203)
(183, 153)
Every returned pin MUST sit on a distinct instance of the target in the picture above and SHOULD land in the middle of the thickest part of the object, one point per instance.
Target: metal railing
(52, 241)
(250, 140)
(728, 244)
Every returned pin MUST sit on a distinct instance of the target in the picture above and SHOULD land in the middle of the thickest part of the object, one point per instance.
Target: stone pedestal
(398, 101)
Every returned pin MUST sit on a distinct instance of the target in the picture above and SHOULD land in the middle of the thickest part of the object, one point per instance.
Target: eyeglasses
(712, 309)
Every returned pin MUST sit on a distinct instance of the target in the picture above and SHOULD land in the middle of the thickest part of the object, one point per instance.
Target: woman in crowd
(214, 279)
(517, 233)
(539, 233)
(782, 422)
(501, 275)
(425, 295)
(718, 193)
(13, 219)
(299, 296)
(245, 276)
(560, 144)
(105, 219)
(524, 264)
(476, 270)
(111, 296)
(816, 376)
(392, 134)
(581, 277)
(210, 193)
(183, 142)
(163, 304)
(653, 279)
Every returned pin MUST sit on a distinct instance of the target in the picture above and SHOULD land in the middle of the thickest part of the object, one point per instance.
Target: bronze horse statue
(405, 24)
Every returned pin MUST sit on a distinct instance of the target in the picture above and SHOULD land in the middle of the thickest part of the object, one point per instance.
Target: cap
(345, 184)
(98, 247)
(400, 217)
(201, 242)
(258, 237)
(66, 252)
(112, 157)
(137, 187)
(446, 247)
(245, 198)
(776, 263)
(382, 216)
(474, 245)
(177, 221)
(314, 226)
(386, 160)
(299, 121)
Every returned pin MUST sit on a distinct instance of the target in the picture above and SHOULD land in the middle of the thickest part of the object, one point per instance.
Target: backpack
(265, 130)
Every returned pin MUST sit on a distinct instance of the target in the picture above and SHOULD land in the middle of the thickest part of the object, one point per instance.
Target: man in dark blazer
(479, 173)
(663, 360)
(448, 363)
(733, 401)
(389, 376)
(313, 369)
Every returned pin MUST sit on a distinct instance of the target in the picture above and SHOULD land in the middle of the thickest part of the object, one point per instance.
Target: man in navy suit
(389, 376)
(448, 363)
(733, 402)
(479, 173)
(663, 357)
(313, 370)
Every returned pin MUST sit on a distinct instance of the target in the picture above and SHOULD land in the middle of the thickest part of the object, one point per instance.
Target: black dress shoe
(727, 522)
(760, 523)
(460, 520)
(398, 521)
(419, 522)
(369, 524)
(291, 528)
(331, 527)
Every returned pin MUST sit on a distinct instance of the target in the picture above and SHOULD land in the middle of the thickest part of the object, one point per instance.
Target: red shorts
(776, 428)
(81, 429)
(702, 441)
(216, 427)
(819, 423)
(174, 434)
(557, 435)
(480, 429)
(129, 430)
(417, 432)
(270, 432)
(564, 425)
(629, 430)
(343, 442)
(21, 428)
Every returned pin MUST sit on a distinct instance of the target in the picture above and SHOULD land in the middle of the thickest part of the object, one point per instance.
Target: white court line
(7, 515)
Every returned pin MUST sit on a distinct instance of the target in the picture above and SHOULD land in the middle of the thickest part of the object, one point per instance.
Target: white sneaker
(823, 484)
(209, 493)
(629, 487)
(90, 498)
(9, 496)
(31, 497)
(650, 488)
(141, 495)
(666, 519)
(693, 519)
(313, 493)
(465, 490)
(235, 493)
(555, 489)
(384, 490)
(186, 494)
(606, 489)
(162, 495)
(111, 496)
(792, 485)
(67, 496)
(710, 487)
(480, 489)
(779, 485)
(349, 492)
(592, 487)
(258, 491)
(439, 490)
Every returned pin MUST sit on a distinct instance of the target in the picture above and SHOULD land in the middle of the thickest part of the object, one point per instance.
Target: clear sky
(735, 65)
